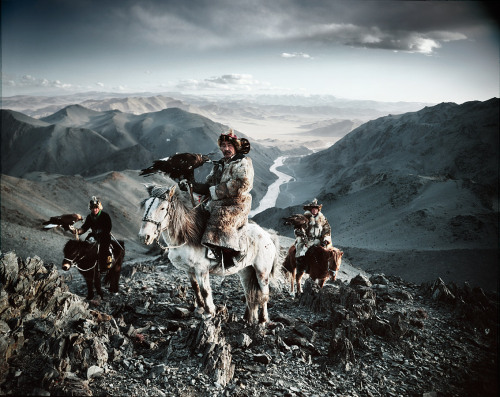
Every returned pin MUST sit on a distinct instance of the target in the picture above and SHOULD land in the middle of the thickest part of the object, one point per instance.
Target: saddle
(228, 256)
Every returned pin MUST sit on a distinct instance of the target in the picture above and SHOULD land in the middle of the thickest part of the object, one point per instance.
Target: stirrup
(228, 261)
(213, 254)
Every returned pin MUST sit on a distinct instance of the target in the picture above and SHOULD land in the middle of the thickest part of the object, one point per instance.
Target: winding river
(269, 200)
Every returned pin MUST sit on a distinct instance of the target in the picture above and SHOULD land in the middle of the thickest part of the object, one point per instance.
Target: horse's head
(74, 251)
(156, 212)
(334, 262)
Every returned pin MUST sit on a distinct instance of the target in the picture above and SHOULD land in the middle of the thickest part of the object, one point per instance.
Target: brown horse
(84, 256)
(322, 264)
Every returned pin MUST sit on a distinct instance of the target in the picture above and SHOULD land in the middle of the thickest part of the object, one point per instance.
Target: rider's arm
(84, 228)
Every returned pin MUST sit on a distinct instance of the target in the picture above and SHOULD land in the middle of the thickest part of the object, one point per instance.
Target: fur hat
(241, 145)
(95, 202)
(313, 204)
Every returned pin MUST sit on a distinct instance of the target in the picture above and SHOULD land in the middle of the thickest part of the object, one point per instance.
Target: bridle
(147, 218)
(74, 262)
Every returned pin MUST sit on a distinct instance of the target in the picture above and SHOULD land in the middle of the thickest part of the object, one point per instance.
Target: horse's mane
(187, 224)
(76, 245)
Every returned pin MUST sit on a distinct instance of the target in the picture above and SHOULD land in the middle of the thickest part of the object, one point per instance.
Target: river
(269, 200)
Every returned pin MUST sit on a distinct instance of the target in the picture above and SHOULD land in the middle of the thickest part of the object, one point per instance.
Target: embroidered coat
(230, 203)
(318, 230)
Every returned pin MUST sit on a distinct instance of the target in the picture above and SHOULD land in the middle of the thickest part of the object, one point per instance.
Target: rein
(75, 264)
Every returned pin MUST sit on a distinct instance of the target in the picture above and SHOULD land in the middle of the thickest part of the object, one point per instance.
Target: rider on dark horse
(100, 223)
(228, 188)
(317, 232)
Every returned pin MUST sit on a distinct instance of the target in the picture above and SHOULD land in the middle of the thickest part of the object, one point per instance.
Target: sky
(411, 51)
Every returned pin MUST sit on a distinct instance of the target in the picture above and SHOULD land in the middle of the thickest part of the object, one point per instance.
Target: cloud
(29, 81)
(166, 28)
(227, 82)
(402, 26)
(296, 55)
(375, 37)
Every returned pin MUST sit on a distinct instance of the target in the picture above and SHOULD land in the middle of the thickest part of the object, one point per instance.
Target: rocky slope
(355, 337)
(410, 189)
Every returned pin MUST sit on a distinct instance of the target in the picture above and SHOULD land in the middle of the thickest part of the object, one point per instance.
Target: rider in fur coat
(317, 232)
(228, 187)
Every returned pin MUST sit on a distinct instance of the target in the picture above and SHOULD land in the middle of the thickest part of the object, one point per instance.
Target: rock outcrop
(379, 336)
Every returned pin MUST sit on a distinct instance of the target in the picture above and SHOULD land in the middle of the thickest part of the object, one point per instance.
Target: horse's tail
(277, 261)
(287, 263)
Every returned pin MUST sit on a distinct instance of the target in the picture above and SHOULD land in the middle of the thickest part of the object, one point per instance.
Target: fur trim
(313, 204)
(230, 205)
(240, 145)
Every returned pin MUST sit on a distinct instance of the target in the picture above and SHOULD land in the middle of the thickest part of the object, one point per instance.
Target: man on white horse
(228, 187)
(317, 231)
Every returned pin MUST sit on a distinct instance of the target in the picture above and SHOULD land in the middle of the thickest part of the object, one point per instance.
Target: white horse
(168, 211)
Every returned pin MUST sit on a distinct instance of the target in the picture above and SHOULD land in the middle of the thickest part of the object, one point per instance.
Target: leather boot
(228, 259)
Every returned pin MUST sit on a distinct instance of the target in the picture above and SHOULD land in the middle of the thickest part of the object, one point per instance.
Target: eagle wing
(179, 166)
(66, 221)
(296, 220)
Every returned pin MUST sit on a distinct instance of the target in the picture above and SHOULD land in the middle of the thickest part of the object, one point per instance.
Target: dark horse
(322, 264)
(84, 256)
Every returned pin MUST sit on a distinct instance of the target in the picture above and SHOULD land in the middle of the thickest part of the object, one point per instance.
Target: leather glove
(299, 233)
(201, 188)
(184, 185)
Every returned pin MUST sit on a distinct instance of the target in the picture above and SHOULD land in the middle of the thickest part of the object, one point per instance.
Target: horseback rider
(100, 223)
(317, 231)
(228, 187)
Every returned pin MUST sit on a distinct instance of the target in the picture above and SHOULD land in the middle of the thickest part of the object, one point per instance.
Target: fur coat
(318, 231)
(230, 203)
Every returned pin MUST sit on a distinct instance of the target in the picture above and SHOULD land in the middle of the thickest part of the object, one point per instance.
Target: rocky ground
(358, 336)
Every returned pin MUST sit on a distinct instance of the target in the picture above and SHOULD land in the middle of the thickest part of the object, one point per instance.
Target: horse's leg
(203, 281)
(322, 281)
(263, 296)
(196, 289)
(298, 280)
(97, 282)
(89, 280)
(249, 283)
(292, 279)
(114, 274)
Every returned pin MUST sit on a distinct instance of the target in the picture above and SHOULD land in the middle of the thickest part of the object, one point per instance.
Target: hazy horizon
(391, 51)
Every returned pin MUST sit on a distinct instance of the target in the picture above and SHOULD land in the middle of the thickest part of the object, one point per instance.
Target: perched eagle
(298, 221)
(179, 166)
(65, 221)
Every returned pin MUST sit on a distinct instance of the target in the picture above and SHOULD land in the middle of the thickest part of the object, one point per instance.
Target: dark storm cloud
(393, 25)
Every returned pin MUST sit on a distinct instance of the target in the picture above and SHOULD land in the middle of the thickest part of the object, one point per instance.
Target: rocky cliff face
(364, 337)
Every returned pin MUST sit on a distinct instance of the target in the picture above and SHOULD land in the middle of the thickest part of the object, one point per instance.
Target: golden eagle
(65, 221)
(179, 166)
(298, 221)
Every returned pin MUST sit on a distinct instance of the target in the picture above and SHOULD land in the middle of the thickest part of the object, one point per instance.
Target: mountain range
(412, 194)
(421, 186)
(80, 141)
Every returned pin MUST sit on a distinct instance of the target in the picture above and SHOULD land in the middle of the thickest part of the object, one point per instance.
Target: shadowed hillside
(80, 141)
(421, 186)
